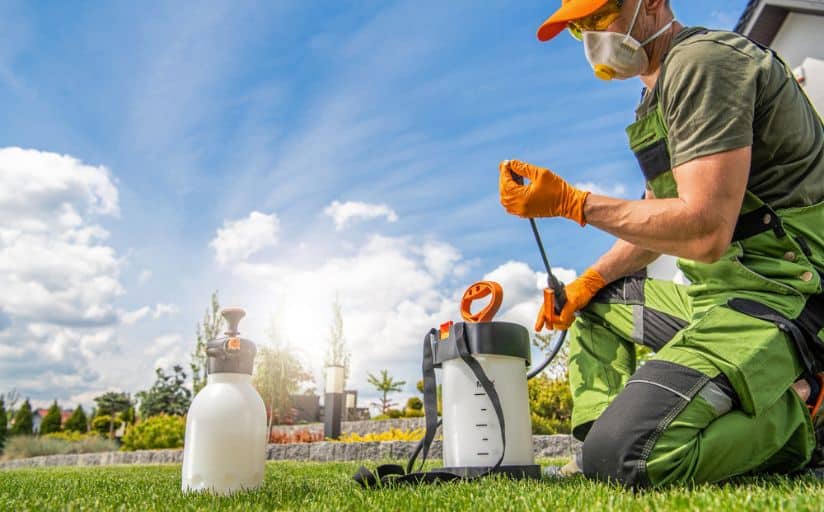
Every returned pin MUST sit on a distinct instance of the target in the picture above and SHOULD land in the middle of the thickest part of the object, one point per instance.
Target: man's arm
(697, 225)
(623, 259)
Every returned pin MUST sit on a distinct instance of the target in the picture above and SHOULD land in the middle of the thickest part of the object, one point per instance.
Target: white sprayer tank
(225, 446)
(471, 431)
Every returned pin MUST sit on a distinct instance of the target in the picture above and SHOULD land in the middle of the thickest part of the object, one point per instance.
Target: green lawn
(328, 486)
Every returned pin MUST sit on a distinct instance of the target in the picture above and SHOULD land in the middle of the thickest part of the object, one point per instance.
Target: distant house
(794, 29)
(38, 415)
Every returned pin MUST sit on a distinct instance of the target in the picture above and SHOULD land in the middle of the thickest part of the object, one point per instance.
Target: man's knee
(620, 441)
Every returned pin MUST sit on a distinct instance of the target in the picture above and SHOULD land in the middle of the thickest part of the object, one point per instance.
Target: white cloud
(611, 190)
(144, 276)
(392, 290)
(168, 350)
(159, 310)
(239, 239)
(163, 343)
(59, 278)
(165, 310)
(132, 317)
(352, 211)
(440, 258)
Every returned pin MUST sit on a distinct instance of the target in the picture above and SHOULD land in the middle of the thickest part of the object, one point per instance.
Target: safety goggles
(597, 21)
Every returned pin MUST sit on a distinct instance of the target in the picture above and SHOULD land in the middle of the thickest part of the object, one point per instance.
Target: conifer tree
(3, 432)
(23, 422)
(51, 422)
(77, 422)
(205, 332)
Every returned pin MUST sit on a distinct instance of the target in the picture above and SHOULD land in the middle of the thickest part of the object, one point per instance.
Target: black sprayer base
(531, 471)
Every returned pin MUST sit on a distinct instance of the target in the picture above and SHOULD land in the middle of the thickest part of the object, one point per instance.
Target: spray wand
(553, 283)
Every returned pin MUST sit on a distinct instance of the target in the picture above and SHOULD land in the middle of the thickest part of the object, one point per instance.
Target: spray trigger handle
(559, 293)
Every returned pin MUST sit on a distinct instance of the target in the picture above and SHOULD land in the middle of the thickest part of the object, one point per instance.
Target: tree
(205, 332)
(3, 432)
(128, 416)
(385, 385)
(103, 424)
(51, 421)
(168, 395)
(278, 374)
(77, 422)
(111, 403)
(23, 422)
(337, 353)
(11, 398)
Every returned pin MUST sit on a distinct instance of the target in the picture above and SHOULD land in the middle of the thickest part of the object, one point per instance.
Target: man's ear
(654, 5)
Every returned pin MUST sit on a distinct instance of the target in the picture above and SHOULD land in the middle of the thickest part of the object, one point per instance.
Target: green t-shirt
(720, 91)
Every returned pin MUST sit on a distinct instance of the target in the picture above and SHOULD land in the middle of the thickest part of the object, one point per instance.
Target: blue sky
(366, 136)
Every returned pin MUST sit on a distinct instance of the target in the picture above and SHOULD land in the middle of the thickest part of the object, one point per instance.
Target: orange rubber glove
(546, 194)
(578, 292)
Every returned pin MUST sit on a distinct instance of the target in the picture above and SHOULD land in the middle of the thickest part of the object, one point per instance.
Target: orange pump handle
(480, 290)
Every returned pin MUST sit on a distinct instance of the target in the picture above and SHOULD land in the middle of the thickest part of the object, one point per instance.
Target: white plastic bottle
(225, 446)
(471, 434)
(471, 431)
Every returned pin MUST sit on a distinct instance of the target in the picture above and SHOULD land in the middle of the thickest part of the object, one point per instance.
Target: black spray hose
(554, 352)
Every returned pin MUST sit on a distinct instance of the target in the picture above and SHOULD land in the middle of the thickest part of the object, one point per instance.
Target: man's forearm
(622, 259)
(668, 226)
(697, 225)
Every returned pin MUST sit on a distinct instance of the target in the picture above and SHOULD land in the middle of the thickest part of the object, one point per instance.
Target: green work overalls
(715, 400)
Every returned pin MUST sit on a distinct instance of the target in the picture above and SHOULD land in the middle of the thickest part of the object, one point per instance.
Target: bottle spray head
(231, 353)
(232, 317)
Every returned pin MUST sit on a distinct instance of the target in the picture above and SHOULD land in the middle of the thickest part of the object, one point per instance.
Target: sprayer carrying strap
(389, 474)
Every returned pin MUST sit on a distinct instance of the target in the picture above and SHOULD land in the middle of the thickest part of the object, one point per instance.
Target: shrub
(157, 432)
(21, 447)
(394, 413)
(550, 402)
(414, 403)
(100, 424)
(414, 408)
(394, 434)
(296, 436)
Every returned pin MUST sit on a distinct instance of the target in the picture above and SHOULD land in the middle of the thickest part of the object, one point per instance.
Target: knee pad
(620, 441)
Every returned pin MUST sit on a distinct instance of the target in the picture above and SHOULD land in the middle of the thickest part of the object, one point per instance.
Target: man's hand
(546, 195)
(578, 292)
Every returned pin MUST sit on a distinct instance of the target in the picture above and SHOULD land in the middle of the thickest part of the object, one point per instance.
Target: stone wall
(359, 427)
(544, 446)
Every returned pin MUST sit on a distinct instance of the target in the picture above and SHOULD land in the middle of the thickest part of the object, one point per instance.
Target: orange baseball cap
(569, 10)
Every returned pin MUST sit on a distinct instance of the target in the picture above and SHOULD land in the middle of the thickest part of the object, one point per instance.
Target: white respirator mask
(618, 56)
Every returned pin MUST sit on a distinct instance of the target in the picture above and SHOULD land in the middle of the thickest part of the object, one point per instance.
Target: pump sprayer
(481, 361)
(486, 421)
(225, 446)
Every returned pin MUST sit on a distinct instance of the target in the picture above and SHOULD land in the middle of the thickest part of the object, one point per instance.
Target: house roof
(64, 413)
(762, 19)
